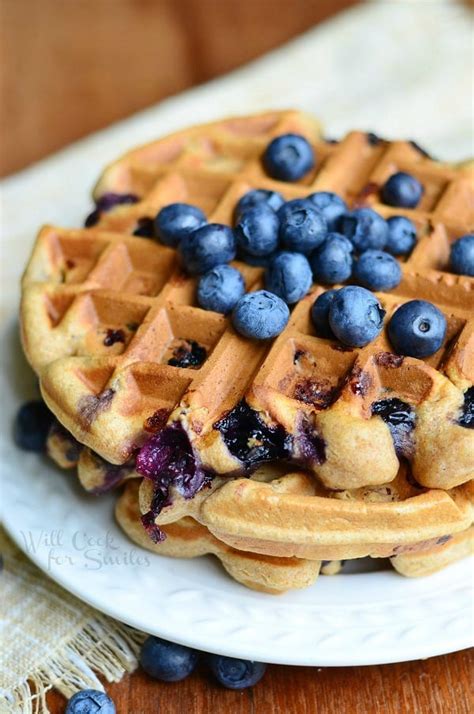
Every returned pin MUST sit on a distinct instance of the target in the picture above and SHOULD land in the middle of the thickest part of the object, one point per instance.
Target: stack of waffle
(282, 458)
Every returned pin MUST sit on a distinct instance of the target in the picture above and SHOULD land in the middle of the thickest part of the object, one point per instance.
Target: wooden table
(440, 685)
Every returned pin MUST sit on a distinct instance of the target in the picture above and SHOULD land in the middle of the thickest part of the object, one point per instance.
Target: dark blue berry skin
(289, 276)
(211, 245)
(402, 190)
(167, 661)
(220, 289)
(90, 701)
(332, 261)
(462, 255)
(106, 203)
(377, 270)
(257, 197)
(31, 426)
(365, 229)
(355, 316)
(320, 314)
(257, 230)
(302, 227)
(288, 157)
(417, 329)
(260, 315)
(236, 673)
(331, 206)
(176, 220)
(401, 235)
(258, 261)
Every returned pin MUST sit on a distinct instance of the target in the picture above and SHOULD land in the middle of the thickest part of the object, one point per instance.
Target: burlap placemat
(50, 639)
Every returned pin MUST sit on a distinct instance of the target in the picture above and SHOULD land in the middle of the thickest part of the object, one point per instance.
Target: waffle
(104, 312)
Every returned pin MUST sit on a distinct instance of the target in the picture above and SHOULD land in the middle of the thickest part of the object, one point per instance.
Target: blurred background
(69, 67)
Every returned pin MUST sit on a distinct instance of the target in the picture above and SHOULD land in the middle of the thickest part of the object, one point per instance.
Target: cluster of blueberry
(169, 662)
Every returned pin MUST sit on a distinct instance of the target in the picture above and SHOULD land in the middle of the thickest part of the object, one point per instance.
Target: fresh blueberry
(417, 329)
(330, 205)
(332, 261)
(167, 661)
(256, 197)
(31, 426)
(106, 203)
(355, 316)
(90, 701)
(462, 255)
(288, 157)
(289, 276)
(377, 270)
(211, 245)
(258, 261)
(257, 230)
(320, 313)
(402, 190)
(220, 289)
(176, 220)
(260, 315)
(365, 229)
(236, 673)
(401, 235)
(302, 227)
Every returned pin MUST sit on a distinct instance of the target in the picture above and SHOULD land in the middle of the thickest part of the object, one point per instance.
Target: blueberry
(462, 255)
(320, 314)
(402, 190)
(365, 229)
(417, 329)
(257, 230)
(220, 289)
(31, 426)
(176, 220)
(211, 245)
(355, 316)
(90, 701)
(260, 315)
(257, 197)
(330, 205)
(302, 227)
(289, 276)
(236, 673)
(401, 235)
(377, 270)
(106, 202)
(167, 661)
(332, 261)
(259, 261)
(288, 157)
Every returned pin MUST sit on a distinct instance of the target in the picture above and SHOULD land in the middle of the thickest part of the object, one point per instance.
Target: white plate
(351, 619)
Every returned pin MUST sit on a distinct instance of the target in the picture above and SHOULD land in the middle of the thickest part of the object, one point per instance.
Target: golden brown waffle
(103, 312)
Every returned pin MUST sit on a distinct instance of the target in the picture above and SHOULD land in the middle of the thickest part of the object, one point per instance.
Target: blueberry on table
(289, 276)
(167, 661)
(302, 227)
(220, 289)
(320, 314)
(461, 258)
(401, 235)
(256, 232)
(31, 426)
(377, 270)
(355, 316)
(257, 197)
(208, 246)
(330, 205)
(288, 157)
(417, 329)
(332, 261)
(90, 701)
(236, 673)
(176, 220)
(402, 190)
(260, 315)
(365, 229)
